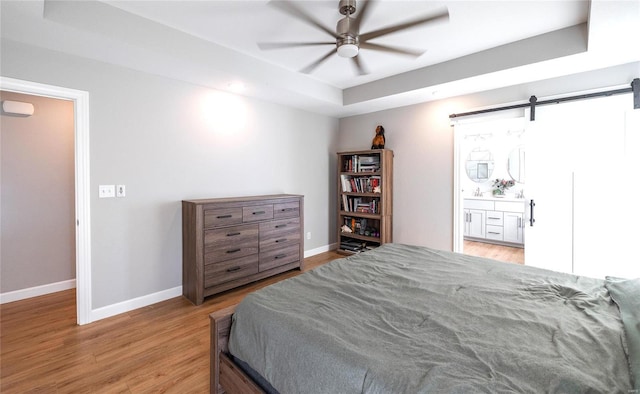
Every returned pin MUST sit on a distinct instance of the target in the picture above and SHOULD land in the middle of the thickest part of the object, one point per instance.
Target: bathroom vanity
(494, 220)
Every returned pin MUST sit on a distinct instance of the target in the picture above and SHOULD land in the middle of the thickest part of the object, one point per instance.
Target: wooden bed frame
(226, 376)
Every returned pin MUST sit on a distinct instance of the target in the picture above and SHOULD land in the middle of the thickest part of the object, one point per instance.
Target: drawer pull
(232, 234)
(280, 256)
(493, 232)
(494, 218)
(234, 269)
(223, 216)
(281, 225)
(281, 240)
(258, 213)
(286, 209)
(233, 250)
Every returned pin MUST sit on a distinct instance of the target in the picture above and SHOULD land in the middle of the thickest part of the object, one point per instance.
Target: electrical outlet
(120, 190)
(106, 191)
(309, 235)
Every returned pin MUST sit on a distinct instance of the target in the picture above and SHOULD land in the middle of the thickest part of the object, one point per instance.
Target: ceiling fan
(347, 38)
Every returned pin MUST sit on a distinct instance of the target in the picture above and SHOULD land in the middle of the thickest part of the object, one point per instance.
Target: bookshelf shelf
(361, 215)
(362, 237)
(365, 186)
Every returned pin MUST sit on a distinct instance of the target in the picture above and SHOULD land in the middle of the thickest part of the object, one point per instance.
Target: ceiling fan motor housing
(347, 7)
(347, 41)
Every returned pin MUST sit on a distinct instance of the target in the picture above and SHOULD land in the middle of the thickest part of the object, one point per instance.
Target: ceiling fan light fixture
(348, 50)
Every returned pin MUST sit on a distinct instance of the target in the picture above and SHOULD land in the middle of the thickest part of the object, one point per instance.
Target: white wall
(422, 140)
(168, 140)
(37, 211)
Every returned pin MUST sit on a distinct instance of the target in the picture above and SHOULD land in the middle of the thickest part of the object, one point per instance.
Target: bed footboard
(226, 376)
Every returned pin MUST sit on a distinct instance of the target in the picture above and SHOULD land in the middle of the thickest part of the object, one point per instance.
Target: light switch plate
(106, 191)
(121, 190)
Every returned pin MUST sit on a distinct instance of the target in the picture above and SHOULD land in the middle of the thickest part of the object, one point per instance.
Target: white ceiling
(473, 27)
(484, 45)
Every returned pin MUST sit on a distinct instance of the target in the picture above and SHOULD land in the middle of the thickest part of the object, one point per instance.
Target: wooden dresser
(229, 242)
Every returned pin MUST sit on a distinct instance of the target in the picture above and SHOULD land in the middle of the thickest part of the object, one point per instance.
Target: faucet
(478, 194)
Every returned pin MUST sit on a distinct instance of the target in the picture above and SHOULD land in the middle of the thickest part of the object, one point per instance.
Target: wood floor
(162, 348)
(156, 349)
(496, 252)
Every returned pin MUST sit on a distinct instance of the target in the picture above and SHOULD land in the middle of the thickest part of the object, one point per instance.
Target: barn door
(581, 183)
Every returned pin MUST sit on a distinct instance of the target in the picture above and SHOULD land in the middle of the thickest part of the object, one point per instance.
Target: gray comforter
(406, 319)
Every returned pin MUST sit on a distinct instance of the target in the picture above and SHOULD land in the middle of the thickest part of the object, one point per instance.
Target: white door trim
(82, 180)
(458, 227)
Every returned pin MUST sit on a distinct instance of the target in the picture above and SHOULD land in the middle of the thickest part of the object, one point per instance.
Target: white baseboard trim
(322, 249)
(140, 302)
(124, 306)
(135, 303)
(36, 291)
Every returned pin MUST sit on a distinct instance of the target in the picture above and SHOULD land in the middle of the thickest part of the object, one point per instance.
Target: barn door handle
(531, 219)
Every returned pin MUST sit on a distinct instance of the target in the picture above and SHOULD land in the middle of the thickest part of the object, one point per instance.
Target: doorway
(80, 101)
(582, 165)
(490, 187)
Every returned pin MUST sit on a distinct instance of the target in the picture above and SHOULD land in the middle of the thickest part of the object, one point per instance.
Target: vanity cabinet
(474, 223)
(494, 220)
(514, 227)
(229, 242)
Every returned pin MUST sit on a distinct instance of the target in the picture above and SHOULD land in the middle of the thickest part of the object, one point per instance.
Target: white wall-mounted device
(17, 108)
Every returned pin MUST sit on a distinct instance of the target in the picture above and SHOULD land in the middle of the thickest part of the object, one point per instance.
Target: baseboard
(135, 303)
(36, 291)
(124, 306)
(322, 249)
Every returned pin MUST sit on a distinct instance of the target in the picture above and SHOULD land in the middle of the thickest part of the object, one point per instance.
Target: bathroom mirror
(479, 164)
(515, 164)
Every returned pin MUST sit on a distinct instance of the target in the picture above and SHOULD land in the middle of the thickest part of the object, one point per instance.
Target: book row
(359, 204)
(371, 184)
(355, 246)
(360, 163)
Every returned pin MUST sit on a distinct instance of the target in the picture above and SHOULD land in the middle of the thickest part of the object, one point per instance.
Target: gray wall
(168, 140)
(422, 140)
(37, 234)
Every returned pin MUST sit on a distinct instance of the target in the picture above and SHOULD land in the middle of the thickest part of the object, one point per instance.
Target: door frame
(458, 167)
(82, 181)
(458, 209)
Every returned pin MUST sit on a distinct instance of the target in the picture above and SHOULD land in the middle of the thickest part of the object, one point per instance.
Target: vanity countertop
(491, 198)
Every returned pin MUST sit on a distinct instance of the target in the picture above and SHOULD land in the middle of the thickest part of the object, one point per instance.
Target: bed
(410, 319)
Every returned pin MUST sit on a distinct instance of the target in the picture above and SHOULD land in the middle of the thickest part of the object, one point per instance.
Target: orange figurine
(378, 140)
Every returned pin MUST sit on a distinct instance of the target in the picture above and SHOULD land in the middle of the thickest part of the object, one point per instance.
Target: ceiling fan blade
(292, 9)
(406, 25)
(361, 12)
(279, 45)
(390, 49)
(362, 70)
(312, 66)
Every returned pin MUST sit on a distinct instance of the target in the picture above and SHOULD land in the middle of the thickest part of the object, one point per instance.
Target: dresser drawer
(277, 233)
(280, 256)
(494, 232)
(222, 217)
(286, 210)
(230, 242)
(256, 213)
(495, 218)
(225, 271)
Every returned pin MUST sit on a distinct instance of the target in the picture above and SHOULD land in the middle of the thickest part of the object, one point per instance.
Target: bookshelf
(365, 203)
